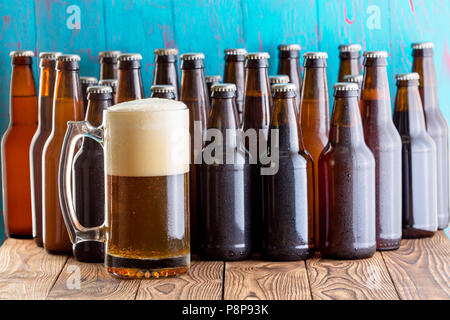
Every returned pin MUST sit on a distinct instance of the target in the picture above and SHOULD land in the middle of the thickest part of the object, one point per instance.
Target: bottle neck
(375, 96)
(96, 106)
(291, 68)
(408, 114)
(285, 121)
(23, 104)
(22, 81)
(424, 66)
(193, 87)
(235, 73)
(129, 86)
(47, 90)
(166, 73)
(108, 69)
(349, 66)
(223, 115)
(257, 99)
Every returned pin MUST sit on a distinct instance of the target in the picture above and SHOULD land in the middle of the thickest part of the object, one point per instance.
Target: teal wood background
(211, 26)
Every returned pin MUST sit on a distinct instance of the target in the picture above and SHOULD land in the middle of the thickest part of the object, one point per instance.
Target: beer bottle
(358, 79)
(86, 82)
(289, 64)
(193, 94)
(89, 177)
(23, 123)
(384, 141)
(210, 81)
(314, 119)
(235, 73)
(435, 122)
(350, 60)
(108, 64)
(347, 183)
(226, 213)
(286, 225)
(112, 83)
(256, 113)
(129, 85)
(166, 68)
(46, 90)
(67, 106)
(419, 174)
(163, 91)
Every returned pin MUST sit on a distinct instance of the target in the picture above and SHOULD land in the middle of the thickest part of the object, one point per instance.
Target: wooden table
(418, 270)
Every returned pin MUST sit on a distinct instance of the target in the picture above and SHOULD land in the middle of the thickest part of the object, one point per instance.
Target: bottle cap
(68, 57)
(422, 45)
(289, 47)
(212, 79)
(192, 56)
(49, 55)
(284, 87)
(162, 88)
(257, 56)
(21, 53)
(109, 54)
(315, 55)
(108, 82)
(224, 87)
(280, 78)
(355, 78)
(345, 86)
(350, 47)
(375, 54)
(99, 89)
(166, 52)
(407, 76)
(88, 80)
(130, 57)
(235, 52)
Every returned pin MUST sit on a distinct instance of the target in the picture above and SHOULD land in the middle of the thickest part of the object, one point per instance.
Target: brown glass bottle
(419, 174)
(86, 82)
(314, 117)
(112, 83)
(384, 141)
(129, 86)
(108, 64)
(46, 90)
(347, 183)
(89, 177)
(286, 218)
(226, 206)
(23, 123)
(289, 64)
(210, 81)
(166, 68)
(163, 91)
(350, 60)
(436, 124)
(67, 106)
(358, 79)
(193, 93)
(235, 73)
(256, 116)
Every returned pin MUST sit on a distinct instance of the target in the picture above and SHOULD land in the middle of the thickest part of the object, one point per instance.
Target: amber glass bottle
(210, 81)
(163, 91)
(285, 223)
(166, 68)
(314, 115)
(419, 175)
(46, 90)
(437, 126)
(112, 83)
(347, 183)
(129, 86)
(289, 64)
(350, 60)
(86, 82)
(235, 73)
(67, 106)
(23, 123)
(384, 141)
(108, 64)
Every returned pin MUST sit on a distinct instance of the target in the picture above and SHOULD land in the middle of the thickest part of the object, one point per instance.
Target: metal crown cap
(49, 55)
(257, 56)
(68, 57)
(88, 80)
(375, 54)
(315, 55)
(21, 53)
(130, 57)
(99, 89)
(284, 87)
(407, 76)
(224, 87)
(289, 47)
(236, 52)
(109, 54)
(192, 56)
(108, 82)
(210, 79)
(355, 78)
(345, 86)
(280, 78)
(166, 51)
(162, 88)
(350, 47)
(422, 45)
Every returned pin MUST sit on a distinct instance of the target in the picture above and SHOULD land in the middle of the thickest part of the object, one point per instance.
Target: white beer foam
(147, 138)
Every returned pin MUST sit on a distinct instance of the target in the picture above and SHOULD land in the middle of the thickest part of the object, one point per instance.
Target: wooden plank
(351, 279)
(27, 271)
(252, 280)
(95, 283)
(203, 282)
(420, 269)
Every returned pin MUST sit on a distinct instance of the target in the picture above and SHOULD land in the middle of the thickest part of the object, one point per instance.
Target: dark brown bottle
(383, 140)
(286, 218)
(314, 117)
(166, 68)
(86, 82)
(108, 64)
(46, 90)
(210, 81)
(358, 79)
(256, 113)
(289, 64)
(67, 106)
(436, 124)
(225, 219)
(89, 177)
(350, 60)
(194, 95)
(419, 174)
(347, 183)
(23, 123)
(112, 83)
(129, 86)
(163, 91)
(235, 73)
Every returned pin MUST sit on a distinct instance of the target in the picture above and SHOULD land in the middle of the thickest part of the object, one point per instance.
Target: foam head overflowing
(146, 138)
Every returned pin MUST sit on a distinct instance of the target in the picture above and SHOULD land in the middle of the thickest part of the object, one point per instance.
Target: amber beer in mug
(147, 151)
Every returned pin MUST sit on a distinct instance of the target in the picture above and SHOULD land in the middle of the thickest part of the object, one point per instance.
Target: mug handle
(75, 131)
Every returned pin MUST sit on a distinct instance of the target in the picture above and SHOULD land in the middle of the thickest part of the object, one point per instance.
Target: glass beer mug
(147, 151)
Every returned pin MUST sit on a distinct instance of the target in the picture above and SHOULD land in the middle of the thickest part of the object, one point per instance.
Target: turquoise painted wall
(212, 26)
